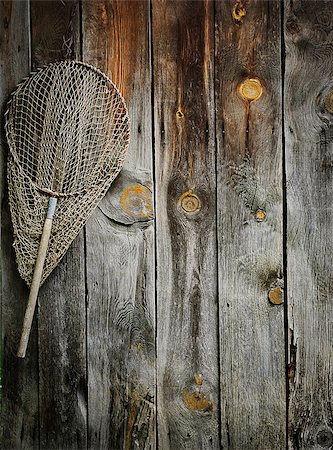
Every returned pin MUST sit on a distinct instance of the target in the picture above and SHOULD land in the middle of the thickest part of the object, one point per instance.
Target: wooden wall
(194, 310)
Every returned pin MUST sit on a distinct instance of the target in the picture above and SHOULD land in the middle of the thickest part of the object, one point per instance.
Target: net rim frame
(10, 139)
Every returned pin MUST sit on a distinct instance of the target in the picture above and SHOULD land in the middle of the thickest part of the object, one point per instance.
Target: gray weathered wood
(19, 414)
(309, 160)
(120, 244)
(187, 346)
(62, 310)
(249, 192)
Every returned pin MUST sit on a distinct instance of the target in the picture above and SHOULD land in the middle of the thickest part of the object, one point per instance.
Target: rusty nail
(275, 296)
(250, 89)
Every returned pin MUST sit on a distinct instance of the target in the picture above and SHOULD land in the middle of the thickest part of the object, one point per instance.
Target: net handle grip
(36, 279)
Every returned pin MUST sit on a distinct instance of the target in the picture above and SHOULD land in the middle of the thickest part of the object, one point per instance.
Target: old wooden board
(62, 311)
(120, 244)
(187, 350)
(249, 223)
(19, 414)
(309, 160)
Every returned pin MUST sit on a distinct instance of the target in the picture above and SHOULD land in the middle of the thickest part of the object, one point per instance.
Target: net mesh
(67, 129)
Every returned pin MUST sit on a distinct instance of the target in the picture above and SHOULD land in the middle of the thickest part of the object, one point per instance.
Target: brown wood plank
(19, 414)
(120, 244)
(62, 310)
(309, 159)
(249, 192)
(187, 357)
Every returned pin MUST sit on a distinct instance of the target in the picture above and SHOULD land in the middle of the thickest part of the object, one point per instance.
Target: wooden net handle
(38, 272)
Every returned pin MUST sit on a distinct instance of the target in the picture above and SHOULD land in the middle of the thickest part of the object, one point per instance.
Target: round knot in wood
(325, 438)
(260, 215)
(190, 202)
(136, 201)
(250, 89)
(275, 296)
(328, 102)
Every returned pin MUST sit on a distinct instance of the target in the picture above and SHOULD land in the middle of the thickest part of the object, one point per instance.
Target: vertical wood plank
(309, 160)
(19, 412)
(249, 192)
(62, 311)
(187, 357)
(120, 243)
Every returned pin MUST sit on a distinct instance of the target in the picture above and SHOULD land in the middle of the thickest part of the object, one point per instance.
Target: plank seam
(152, 100)
(284, 214)
(216, 233)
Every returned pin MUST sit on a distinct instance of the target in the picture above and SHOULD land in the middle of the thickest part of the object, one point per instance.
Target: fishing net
(67, 129)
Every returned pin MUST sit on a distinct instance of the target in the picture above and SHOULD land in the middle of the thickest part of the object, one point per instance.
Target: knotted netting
(67, 129)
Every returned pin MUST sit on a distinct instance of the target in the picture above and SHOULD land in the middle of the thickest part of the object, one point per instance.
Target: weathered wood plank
(62, 310)
(249, 192)
(187, 357)
(309, 160)
(120, 244)
(19, 414)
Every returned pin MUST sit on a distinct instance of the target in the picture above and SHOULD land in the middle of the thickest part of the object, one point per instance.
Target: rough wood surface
(309, 160)
(220, 355)
(62, 309)
(187, 350)
(120, 244)
(19, 414)
(249, 223)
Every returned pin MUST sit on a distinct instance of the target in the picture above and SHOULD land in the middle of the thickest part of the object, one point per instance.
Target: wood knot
(250, 89)
(197, 401)
(328, 102)
(198, 379)
(136, 201)
(238, 12)
(189, 202)
(325, 438)
(275, 296)
(179, 114)
(260, 215)
(292, 27)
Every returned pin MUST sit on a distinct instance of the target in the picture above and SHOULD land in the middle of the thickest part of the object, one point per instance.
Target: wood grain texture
(187, 352)
(55, 31)
(249, 192)
(120, 244)
(309, 160)
(19, 413)
(62, 308)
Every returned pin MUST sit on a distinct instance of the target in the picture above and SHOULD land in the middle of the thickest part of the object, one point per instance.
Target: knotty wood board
(309, 159)
(120, 244)
(62, 309)
(187, 347)
(19, 414)
(249, 178)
